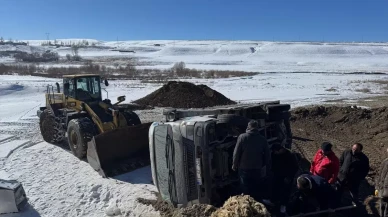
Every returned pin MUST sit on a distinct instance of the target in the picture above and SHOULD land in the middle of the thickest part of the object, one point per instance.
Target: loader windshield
(88, 89)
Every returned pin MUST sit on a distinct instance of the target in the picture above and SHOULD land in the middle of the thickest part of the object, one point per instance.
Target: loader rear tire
(51, 128)
(79, 133)
(132, 118)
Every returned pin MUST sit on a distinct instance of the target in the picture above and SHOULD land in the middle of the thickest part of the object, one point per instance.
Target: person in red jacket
(325, 163)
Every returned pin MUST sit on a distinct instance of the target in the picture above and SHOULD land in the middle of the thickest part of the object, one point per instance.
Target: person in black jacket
(354, 167)
(313, 192)
(284, 168)
(251, 157)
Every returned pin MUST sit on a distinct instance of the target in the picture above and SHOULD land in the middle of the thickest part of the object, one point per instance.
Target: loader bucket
(119, 151)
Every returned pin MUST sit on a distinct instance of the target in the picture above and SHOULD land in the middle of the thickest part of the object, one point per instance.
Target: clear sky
(284, 20)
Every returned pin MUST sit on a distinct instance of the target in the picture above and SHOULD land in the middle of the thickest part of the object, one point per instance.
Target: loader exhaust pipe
(119, 151)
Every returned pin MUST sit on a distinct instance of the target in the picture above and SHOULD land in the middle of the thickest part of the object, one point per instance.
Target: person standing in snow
(382, 188)
(284, 168)
(354, 168)
(250, 157)
(325, 163)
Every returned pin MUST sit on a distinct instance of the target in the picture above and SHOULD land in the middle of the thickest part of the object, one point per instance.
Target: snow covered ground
(58, 184)
(257, 56)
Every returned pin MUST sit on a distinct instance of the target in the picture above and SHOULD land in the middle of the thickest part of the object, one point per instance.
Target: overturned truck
(191, 152)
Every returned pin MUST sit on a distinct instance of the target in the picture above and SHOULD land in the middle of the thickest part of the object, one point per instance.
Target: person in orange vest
(325, 163)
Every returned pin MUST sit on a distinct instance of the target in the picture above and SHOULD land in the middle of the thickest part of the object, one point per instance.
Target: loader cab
(83, 88)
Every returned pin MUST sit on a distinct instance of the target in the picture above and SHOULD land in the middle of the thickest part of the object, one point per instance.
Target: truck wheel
(237, 122)
(79, 133)
(51, 128)
(132, 118)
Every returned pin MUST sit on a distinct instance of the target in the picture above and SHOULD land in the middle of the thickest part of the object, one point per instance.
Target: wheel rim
(74, 139)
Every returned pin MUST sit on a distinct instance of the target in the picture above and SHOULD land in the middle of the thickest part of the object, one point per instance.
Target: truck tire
(51, 128)
(79, 133)
(132, 118)
(236, 121)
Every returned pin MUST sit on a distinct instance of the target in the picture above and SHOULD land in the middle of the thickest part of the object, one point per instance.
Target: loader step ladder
(50, 94)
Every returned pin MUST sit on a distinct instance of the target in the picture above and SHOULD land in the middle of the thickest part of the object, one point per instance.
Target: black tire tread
(86, 131)
(51, 128)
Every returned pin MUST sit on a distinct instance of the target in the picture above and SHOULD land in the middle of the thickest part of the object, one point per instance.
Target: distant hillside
(257, 56)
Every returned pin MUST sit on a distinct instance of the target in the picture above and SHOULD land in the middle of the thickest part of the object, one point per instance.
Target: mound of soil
(198, 210)
(241, 206)
(163, 207)
(184, 95)
(168, 210)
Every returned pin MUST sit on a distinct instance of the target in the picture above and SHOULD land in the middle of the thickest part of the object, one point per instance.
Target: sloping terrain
(343, 126)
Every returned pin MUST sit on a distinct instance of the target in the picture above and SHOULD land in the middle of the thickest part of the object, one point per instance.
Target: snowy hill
(258, 56)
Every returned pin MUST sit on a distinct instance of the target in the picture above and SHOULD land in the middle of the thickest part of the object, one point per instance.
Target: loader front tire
(79, 133)
(51, 128)
(132, 118)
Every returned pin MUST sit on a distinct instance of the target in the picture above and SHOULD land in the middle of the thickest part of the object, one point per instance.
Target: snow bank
(57, 184)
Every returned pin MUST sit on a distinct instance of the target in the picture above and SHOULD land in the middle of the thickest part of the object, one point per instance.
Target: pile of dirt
(168, 210)
(184, 95)
(343, 126)
(198, 210)
(165, 208)
(241, 206)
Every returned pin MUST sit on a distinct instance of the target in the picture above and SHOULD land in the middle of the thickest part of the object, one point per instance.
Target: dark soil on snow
(184, 95)
(163, 207)
(168, 210)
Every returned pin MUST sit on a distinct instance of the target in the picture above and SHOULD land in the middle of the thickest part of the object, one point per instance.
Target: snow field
(257, 56)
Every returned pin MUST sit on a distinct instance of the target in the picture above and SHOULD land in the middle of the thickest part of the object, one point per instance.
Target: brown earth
(168, 210)
(163, 207)
(184, 95)
(343, 126)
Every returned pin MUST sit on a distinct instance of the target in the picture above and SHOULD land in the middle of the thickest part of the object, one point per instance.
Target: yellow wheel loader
(111, 136)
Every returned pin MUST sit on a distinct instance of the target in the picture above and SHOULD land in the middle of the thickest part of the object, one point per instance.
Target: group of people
(262, 168)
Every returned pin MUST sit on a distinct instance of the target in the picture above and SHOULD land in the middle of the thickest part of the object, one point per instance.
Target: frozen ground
(58, 184)
(257, 56)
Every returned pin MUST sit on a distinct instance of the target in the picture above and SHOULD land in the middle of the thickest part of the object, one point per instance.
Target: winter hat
(326, 146)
